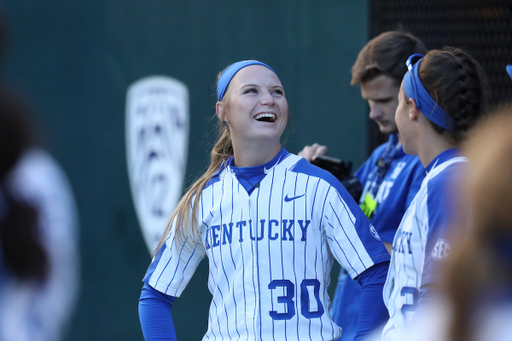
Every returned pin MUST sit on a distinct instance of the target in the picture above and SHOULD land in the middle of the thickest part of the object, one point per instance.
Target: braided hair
(458, 84)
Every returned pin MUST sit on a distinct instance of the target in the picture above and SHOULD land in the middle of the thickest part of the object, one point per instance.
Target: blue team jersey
(421, 241)
(399, 186)
(397, 190)
(270, 250)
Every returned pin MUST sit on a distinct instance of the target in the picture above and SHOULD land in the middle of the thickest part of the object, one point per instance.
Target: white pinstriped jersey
(270, 253)
(421, 242)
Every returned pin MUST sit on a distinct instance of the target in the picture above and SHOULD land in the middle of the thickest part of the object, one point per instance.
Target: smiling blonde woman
(271, 225)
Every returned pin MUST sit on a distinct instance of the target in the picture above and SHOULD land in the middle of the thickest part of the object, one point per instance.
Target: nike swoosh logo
(287, 199)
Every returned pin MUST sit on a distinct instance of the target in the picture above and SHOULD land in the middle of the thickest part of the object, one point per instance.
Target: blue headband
(509, 70)
(231, 71)
(414, 89)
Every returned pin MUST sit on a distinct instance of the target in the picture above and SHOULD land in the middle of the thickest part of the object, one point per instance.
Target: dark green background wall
(74, 60)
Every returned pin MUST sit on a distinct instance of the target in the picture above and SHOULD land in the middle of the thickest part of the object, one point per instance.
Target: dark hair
(20, 244)
(458, 84)
(386, 54)
(15, 132)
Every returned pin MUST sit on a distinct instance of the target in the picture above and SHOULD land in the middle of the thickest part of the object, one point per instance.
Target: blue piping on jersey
(441, 158)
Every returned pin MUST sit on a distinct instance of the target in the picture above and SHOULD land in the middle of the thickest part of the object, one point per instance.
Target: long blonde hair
(186, 224)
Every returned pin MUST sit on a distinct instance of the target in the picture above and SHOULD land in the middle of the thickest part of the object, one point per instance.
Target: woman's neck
(432, 145)
(254, 154)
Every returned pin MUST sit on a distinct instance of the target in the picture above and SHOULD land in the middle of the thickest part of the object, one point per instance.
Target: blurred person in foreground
(38, 234)
(390, 178)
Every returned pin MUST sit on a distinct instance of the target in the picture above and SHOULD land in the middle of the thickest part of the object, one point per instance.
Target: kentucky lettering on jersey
(270, 252)
(272, 229)
(403, 242)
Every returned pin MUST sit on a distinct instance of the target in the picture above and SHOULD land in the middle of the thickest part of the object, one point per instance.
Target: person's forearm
(373, 313)
(155, 315)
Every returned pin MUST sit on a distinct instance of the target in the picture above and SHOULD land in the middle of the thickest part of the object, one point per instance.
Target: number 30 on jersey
(307, 286)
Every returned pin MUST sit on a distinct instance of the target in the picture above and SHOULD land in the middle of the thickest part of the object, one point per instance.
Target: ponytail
(185, 222)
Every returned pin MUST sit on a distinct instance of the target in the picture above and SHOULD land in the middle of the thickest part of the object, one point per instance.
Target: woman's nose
(266, 98)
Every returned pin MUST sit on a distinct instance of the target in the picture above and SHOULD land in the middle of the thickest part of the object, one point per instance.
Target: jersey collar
(250, 177)
(441, 158)
(264, 168)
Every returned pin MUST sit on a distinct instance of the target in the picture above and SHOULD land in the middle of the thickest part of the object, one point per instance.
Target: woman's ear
(414, 112)
(219, 108)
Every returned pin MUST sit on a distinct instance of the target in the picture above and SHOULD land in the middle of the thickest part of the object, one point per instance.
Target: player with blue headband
(441, 98)
(230, 72)
(426, 104)
(270, 224)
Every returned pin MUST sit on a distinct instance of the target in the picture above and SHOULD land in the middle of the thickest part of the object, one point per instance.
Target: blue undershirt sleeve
(373, 313)
(155, 315)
